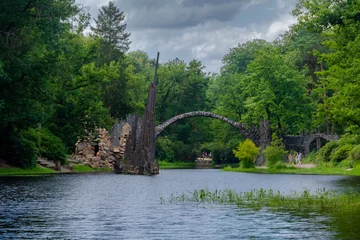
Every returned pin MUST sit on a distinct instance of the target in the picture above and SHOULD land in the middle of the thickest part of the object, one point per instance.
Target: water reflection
(108, 206)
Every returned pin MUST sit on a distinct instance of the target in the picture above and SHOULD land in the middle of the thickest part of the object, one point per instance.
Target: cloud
(279, 26)
(207, 42)
(200, 29)
(179, 13)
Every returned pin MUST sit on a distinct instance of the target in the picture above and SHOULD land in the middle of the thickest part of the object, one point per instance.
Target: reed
(321, 201)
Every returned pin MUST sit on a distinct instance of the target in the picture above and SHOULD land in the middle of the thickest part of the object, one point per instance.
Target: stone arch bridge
(302, 143)
(248, 132)
(137, 143)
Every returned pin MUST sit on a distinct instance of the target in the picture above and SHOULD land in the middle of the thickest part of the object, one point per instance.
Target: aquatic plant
(321, 201)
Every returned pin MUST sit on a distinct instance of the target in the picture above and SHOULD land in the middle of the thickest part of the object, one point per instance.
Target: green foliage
(346, 164)
(24, 152)
(176, 165)
(110, 28)
(164, 149)
(246, 152)
(341, 153)
(36, 171)
(323, 201)
(354, 154)
(51, 146)
(181, 88)
(326, 151)
(278, 165)
(52, 74)
(275, 152)
(310, 158)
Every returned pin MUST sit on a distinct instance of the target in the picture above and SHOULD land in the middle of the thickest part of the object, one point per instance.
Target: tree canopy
(57, 84)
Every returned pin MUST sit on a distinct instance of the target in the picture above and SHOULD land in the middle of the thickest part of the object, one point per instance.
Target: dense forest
(62, 75)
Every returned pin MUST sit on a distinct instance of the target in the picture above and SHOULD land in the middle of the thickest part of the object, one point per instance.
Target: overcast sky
(199, 29)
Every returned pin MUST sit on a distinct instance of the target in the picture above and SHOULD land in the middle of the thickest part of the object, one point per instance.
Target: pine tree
(111, 29)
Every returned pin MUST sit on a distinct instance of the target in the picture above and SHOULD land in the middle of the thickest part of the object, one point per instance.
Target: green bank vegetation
(86, 169)
(321, 201)
(57, 84)
(30, 172)
(176, 165)
(335, 158)
(292, 170)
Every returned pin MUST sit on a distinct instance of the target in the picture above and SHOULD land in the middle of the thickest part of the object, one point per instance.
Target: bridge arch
(311, 137)
(247, 132)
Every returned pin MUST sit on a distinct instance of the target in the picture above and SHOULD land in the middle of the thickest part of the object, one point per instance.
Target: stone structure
(139, 154)
(131, 147)
(302, 143)
(248, 132)
(96, 154)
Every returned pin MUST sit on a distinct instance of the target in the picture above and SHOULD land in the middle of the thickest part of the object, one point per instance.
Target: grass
(86, 169)
(292, 170)
(176, 165)
(20, 171)
(321, 201)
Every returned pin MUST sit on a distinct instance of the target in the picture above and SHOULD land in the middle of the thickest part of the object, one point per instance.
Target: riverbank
(13, 171)
(8, 170)
(176, 165)
(315, 170)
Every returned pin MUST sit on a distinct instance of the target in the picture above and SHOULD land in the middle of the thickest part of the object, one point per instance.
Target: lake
(110, 206)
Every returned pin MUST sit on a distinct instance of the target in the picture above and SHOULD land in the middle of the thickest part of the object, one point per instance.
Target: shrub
(279, 165)
(164, 150)
(310, 158)
(354, 154)
(341, 153)
(325, 152)
(51, 146)
(346, 164)
(48, 145)
(25, 152)
(28, 144)
(246, 152)
(275, 152)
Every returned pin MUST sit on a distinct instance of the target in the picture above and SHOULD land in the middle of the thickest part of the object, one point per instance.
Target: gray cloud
(200, 29)
(178, 13)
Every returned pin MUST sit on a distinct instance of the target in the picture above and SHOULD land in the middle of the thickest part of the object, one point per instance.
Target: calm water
(109, 206)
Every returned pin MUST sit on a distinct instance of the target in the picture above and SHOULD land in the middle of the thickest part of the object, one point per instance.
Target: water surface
(109, 206)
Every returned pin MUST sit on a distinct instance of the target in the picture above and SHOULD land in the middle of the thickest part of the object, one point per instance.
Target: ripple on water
(109, 206)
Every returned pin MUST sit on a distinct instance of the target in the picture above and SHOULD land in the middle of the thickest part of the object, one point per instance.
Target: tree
(339, 23)
(275, 152)
(246, 152)
(111, 29)
(237, 60)
(30, 32)
(276, 91)
(182, 88)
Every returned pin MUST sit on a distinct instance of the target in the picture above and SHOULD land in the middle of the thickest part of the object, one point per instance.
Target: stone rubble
(98, 154)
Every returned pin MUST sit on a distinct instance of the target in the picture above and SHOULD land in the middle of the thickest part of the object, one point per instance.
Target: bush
(325, 152)
(51, 146)
(25, 152)
(310, 158)
(246, 152)
(164, 151)
(275, 152)
(47, 144)
(346, 164)
(278, 165)
(354, 154)
(341, 153)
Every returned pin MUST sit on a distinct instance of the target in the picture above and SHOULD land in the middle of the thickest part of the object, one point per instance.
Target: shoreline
(297, 170)
(304, 169)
